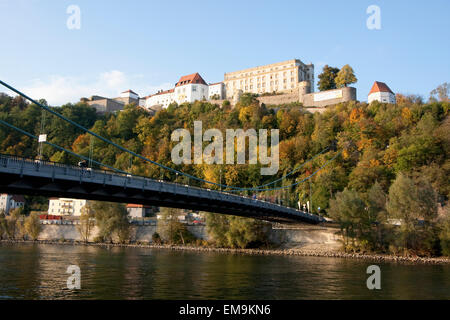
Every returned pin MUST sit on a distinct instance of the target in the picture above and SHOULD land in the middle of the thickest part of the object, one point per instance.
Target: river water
(37, 271)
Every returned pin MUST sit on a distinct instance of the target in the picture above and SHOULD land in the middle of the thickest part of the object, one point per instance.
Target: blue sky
(147, 45)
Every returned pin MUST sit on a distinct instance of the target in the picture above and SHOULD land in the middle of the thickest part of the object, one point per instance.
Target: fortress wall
(280, 99)
(329, 97)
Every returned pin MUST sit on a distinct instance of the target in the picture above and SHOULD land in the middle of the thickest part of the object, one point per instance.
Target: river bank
(311, 251)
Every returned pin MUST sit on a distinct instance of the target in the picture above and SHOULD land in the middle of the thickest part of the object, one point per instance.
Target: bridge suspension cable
(58, 147)
(177, 172)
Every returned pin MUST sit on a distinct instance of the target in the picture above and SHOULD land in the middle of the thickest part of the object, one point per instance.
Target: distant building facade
(140, 210)
(291, 81)
(277, 77)
(106, 105)
(281, 77)
(382, 93)
(10, 202)
(216, 91)
(66, 206)
(189, 88)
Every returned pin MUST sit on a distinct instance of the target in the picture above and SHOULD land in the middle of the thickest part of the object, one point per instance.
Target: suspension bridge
(37, 177)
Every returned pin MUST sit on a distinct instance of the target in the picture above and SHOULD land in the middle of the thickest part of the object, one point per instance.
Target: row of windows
(261, 71)
(271, 88)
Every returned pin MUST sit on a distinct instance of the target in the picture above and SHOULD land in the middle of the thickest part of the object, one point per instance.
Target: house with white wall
(216, 91)
(189, 88)
(66, 206)
(381, 92)
(10, 202)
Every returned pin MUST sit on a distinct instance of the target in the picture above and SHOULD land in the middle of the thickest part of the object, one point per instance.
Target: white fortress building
(381, 92)
(277, 77)
(188, 89)
(281, 77)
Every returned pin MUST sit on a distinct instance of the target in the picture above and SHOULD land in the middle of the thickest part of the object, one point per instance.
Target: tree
(441, 93)
(87, 222)
(345, 77)
(171, 229)
(410, 203)
(3, 225)
(14, 224)
(111, 219)
(156, 238)
(327, 78)
(236, 232)
(444, 234)
(33, 226)
(348, 209)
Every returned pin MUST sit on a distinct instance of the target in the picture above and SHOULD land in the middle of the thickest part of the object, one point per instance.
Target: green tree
(349, 210)
(33, 226)
(345, 77)
(171, 229)
(327, 78)
(236, 232)
(410, 203)
(87, 221)
(112, 220)
(444, 234)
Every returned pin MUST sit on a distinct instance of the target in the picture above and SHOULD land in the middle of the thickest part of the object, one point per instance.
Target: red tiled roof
(380, 87)
(212, 84)
(161, 92)
(131, 205)
(190, 79)
(18, 198)
(131, 91)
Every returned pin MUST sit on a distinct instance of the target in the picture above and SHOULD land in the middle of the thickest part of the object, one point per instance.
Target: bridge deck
(34, 177)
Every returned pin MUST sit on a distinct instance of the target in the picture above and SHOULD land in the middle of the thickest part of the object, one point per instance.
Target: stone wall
(344, 95)
(280, 98)
(306, 235)
(138, 233)
(310, 99)
(293, 236)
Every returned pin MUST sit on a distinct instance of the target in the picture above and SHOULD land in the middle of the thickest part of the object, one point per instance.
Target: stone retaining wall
(305, 235)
